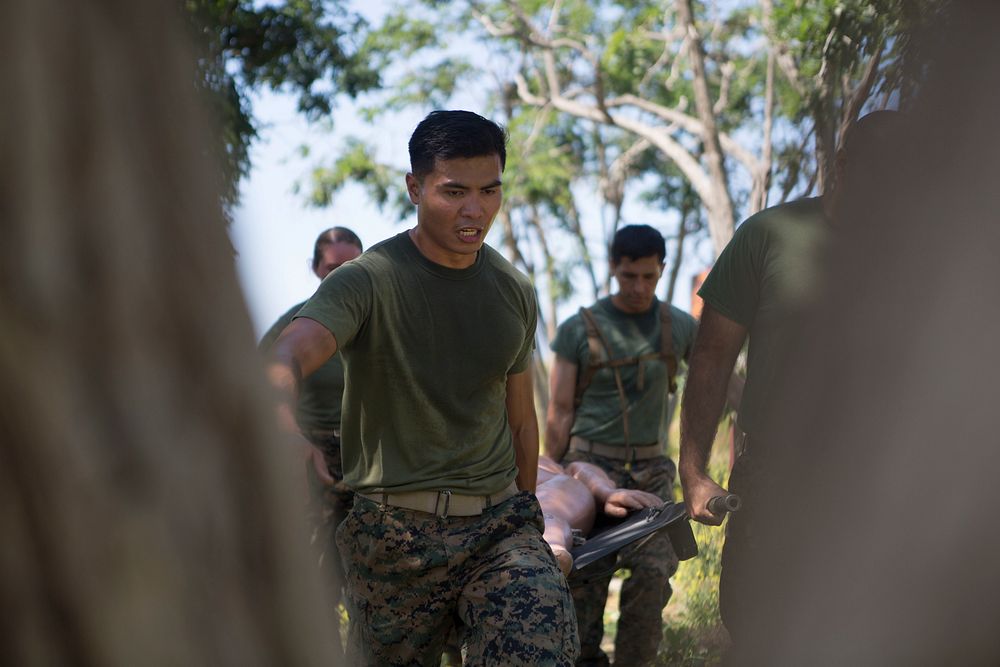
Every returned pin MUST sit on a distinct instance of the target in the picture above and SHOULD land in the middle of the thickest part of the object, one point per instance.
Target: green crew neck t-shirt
(318, 408)
(427, 350)
(599, 415)
(764, 279)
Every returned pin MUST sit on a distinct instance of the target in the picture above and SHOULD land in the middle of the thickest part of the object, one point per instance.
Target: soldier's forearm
(712, 360)
(555, 444)
(283, 375)
(701, 410)
(700, 414)
(526, 458)
(557, 428)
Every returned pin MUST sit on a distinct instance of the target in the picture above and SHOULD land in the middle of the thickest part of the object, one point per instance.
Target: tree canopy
(309, 48)
(711, 109)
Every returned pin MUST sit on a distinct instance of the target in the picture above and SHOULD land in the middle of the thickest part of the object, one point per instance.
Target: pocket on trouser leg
(398, 578)
(517, 610)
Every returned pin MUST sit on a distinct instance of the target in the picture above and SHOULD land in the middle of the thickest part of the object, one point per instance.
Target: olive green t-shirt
(764, 279)
(318, 408)
(427, 350)
(599, 415)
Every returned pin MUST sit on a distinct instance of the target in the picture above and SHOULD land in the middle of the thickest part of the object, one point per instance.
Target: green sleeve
(733, 285)
(531, 326)
(342, 303)
(570, 342)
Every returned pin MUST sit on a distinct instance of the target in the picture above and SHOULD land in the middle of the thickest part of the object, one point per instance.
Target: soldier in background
(615, 367)
(318, 415)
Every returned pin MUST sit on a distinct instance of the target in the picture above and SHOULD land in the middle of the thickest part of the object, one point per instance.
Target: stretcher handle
(720, 505)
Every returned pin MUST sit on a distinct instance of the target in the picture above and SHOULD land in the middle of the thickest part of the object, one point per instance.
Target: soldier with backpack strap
(615, 367)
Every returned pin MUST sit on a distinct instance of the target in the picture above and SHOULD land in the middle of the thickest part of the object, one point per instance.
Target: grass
(693, 634)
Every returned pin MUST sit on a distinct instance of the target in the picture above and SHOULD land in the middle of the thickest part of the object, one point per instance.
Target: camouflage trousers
(413, 577)
(650, 563)
(328, 506)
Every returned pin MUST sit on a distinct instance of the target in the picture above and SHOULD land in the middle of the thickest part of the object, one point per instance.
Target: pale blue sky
(273, 228)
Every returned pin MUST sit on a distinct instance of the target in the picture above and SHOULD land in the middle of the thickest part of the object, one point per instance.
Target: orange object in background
(696, 302)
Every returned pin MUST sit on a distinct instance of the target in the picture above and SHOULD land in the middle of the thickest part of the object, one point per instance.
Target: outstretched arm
(715, 350)
(559, 419)
(612, 500)
(523, 427)
(302, 347)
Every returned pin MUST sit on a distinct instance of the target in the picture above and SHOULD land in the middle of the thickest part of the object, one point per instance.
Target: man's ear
(413, 189)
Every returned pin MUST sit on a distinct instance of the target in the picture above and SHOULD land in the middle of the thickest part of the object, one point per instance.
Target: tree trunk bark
(720, 208)
(762, 180)
(149, 514)
(675, 267)
(551, 317)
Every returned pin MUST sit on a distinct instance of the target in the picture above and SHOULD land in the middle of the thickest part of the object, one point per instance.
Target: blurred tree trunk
(146, 512)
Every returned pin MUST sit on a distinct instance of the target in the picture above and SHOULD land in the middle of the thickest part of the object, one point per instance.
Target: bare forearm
(715, 350)
(284, 373)
(523, 423)
(526, 457)
(303, 346)
(595, 479)
(701, 409)
(712, 360)
(557, 428)
(285, 377)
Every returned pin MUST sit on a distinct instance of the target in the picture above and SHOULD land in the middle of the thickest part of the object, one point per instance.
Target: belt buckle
(442, 513)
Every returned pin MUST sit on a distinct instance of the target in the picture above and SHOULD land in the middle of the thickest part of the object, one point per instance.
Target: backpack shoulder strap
(595, 345)
(667, 346)
(596, 341)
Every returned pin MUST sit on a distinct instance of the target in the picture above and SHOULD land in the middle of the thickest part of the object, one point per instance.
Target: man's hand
(709, 374)
(312, 455)
(698, 489)
(306, 452)
(622, 501)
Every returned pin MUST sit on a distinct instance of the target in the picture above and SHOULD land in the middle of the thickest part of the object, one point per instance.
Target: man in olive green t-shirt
(759, 288)
(439, 434)
(618, 424)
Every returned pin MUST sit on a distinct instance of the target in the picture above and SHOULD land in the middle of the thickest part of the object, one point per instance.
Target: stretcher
(610, 536)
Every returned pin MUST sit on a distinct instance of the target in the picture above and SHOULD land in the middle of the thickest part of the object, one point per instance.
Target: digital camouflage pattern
(413, 577)
(650, 562)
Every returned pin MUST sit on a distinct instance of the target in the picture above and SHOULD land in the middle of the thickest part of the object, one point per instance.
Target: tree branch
(687, 123)
(861, 93)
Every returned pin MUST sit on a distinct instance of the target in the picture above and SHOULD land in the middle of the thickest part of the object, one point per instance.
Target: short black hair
(333, 235)
(636, 242)
(444, 135)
